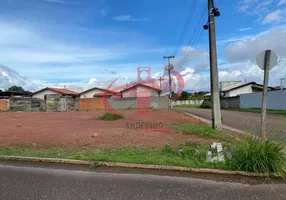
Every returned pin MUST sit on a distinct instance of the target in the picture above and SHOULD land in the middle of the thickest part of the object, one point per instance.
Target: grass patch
(187, 155)
(271, 111)
(259, 156)
(186, 106)
(110, 117)
(251, 155)
(205, 131)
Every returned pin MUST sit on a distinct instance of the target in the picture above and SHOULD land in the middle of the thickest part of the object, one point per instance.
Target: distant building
(41, 94)
(140, 90)
(96, 92)
(234, 88)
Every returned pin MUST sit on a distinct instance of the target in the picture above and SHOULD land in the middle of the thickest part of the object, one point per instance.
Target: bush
(259, 156)
(109, 117)
(206, 106)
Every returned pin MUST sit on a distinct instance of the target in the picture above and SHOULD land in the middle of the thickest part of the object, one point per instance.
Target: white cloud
(9, 77)
(274, 16)
(282, 2)
(129, 18)
(245, 29)
(56, 1)
(104, 11)
(273, 39)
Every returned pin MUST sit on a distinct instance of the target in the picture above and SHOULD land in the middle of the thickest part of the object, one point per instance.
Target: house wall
(41, 95)
(90, 94)
(238, 91)
(225, 84)
(275, 100)
(139, 92)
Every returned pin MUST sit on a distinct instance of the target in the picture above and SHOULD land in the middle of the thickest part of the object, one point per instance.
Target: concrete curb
(209, 122)
(131, 165)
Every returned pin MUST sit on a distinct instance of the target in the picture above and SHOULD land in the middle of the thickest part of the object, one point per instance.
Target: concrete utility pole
(215, 94)
(170, 80)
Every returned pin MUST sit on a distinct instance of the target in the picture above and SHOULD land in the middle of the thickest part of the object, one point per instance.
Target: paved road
(24, 182)
(245, 121)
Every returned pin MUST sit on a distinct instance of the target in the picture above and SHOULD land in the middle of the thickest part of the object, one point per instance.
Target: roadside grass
(251, 155)
(271, 111)
(187, 155)
(186, 106)
(205, 131)
(110, 117)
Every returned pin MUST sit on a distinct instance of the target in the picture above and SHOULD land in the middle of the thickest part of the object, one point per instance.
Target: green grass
(188, 155)
(110, 117)
(251, 155)
(259, 156)
(205, 131)
(271, 111)
(186, 106)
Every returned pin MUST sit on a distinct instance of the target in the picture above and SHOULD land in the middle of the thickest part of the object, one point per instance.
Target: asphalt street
(26, 182)
(246, 121)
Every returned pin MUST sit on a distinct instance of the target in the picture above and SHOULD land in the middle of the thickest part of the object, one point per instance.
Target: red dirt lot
(83, 130)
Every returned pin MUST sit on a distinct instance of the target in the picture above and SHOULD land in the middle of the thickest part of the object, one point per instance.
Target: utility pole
(215, 94)
(170, 80)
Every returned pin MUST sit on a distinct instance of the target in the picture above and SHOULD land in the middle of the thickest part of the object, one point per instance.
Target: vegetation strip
(133, 165)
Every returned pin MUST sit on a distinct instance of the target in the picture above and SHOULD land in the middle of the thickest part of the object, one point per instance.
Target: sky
(87, 43)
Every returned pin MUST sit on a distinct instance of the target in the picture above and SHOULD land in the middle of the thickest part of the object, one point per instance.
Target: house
(140, 90)
(41, 94)
(234, 88)
(96, 92)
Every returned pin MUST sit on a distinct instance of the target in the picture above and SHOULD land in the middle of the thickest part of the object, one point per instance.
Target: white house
(234, 88)
(41, 94)
(95, 92)
(140, 90)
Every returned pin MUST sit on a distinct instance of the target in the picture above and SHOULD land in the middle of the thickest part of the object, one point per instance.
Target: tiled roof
(97, 88)
(59, 90)
(143, 85)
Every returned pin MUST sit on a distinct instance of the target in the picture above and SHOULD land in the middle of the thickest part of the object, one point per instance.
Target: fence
(124, 103)
(3, 105)
(226, 102)
(187, 102)
(60, 103)
(275, 100)
(24, 104)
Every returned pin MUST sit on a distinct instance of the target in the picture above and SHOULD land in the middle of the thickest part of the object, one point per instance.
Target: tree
(184, 96)
(16, 89)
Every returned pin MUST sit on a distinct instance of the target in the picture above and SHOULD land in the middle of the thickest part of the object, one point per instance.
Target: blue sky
(90, 42)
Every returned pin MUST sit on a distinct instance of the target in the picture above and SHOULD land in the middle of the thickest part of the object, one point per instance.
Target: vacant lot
(82, 130)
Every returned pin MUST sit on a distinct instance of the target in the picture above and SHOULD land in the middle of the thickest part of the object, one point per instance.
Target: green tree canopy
(16, 89)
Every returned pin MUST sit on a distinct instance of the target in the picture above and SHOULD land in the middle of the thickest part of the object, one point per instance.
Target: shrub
(206, 106)
(259, 156)
(110, 116)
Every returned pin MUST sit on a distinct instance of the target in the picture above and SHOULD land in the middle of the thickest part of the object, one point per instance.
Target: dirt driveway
(83, 130)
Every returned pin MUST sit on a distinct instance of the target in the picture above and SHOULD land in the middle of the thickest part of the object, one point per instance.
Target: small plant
(205, 106)
(110, 117)
(260, 156)
(205, 131)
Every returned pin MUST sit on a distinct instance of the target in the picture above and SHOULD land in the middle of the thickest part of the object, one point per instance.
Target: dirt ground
(83, 130)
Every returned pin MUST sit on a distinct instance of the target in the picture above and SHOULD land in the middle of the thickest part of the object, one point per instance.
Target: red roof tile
(143, 85)
(59, 90)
